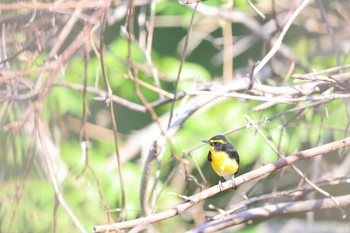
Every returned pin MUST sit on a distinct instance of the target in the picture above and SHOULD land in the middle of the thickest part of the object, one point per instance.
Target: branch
(54, 6)
(296, 194)
(112, 116)
(271, 99)
(182, 61)
(101, 95)
(278, 42)
(295, 168)
(51, 174)
(266, 169)
(272, 210)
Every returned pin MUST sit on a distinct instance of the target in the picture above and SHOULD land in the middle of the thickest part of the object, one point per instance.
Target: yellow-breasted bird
(223, 157)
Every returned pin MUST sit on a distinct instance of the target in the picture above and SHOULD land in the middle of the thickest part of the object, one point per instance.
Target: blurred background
(62, 159)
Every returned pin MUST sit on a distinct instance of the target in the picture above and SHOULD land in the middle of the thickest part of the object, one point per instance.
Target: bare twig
(20, 186)
(152, 155)
(114, 124)
(255, 9)
(296, 169)
(262, 121)
(102, 95)
(183, 56)
(54, 5)
(84, 140)
(329, 30)
(329, 70)
(54, 66)
(58, 194)
(271, 99)
(65, 32)
(150, 29)
(278, 42)
(271, 210)
(295, 194)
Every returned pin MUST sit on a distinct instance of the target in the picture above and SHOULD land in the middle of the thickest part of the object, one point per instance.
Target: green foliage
(81, 188)
(35, 204)
(190, 71)
(63, 101)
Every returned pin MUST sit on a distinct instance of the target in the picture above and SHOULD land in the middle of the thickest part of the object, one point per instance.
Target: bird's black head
(219, 143)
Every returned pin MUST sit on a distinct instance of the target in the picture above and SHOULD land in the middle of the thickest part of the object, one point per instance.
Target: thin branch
(271, 99)
(152, 155)
(150, 29)
(58, 194)
(54, 6)
(20, 186)
(272, 210)
(84, 140)
(41, 91)
(296, 169)
(111, 112)
(329, 30)
(278, 42)
(102, 96)
(296, 194)
(255, 9)
(183, 56)
(65, 32)
(263, 121)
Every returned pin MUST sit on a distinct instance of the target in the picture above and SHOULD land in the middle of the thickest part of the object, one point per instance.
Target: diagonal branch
(272, 210)
(249, 176)
(296, 169)
(278, 42)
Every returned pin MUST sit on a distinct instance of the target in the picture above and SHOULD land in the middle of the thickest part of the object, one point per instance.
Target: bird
(223, 157)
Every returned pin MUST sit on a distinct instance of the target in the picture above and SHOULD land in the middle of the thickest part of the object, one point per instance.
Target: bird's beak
(205, 141)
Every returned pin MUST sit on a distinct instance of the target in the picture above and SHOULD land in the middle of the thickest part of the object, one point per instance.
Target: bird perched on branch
(223, 157)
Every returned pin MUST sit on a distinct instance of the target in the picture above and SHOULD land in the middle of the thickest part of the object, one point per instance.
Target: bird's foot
(233, 183)
(221, 187)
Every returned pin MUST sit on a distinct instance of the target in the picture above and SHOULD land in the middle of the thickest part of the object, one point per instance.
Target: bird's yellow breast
(222, 164)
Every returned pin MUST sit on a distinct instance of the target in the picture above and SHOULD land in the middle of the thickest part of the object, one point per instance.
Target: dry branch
(293, 194)
(272, 210)
(266, 169)
(112, 115)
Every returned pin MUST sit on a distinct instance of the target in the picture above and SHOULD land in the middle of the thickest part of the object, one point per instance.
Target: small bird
(223, 157)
